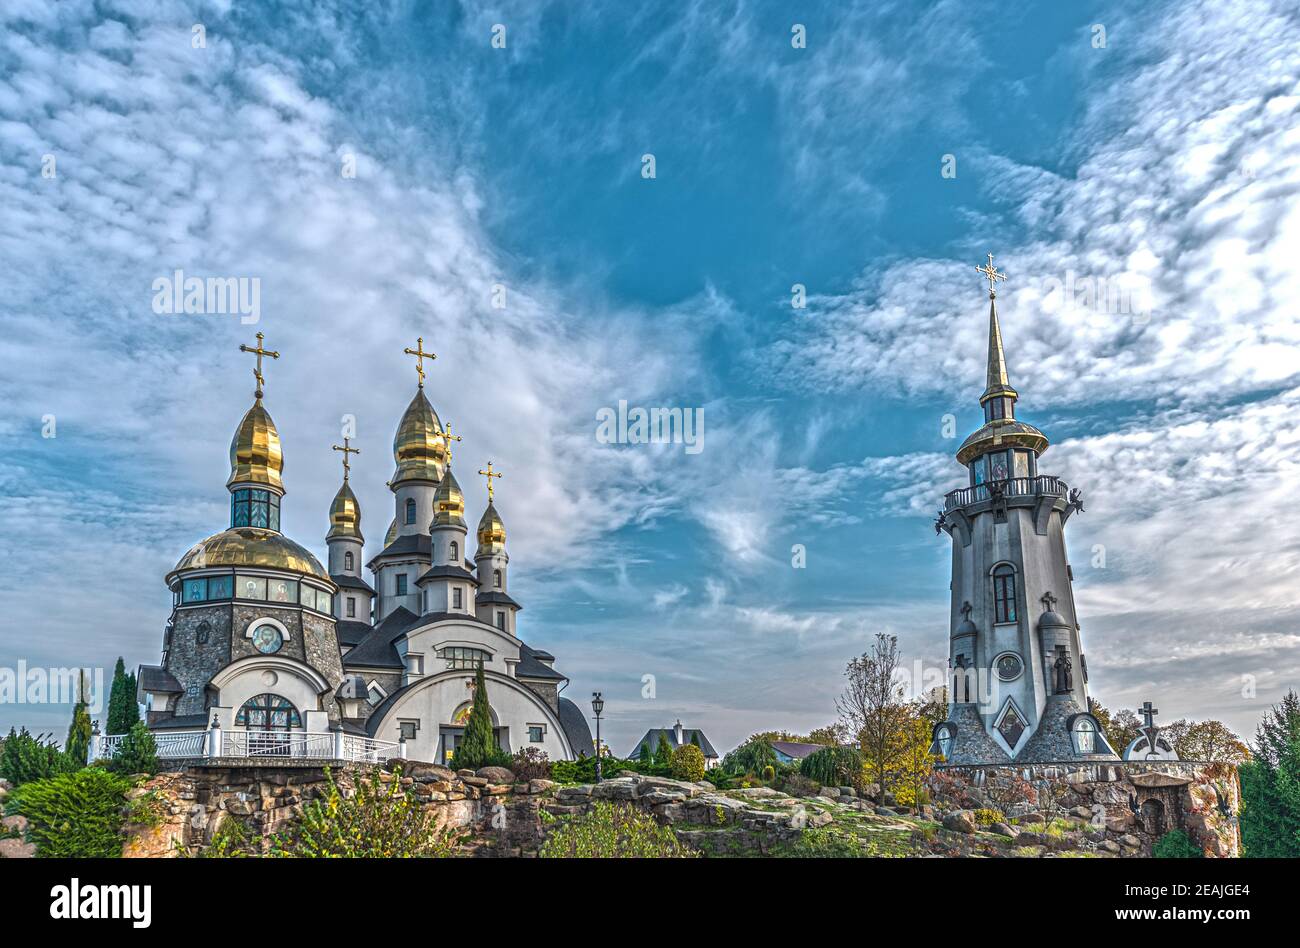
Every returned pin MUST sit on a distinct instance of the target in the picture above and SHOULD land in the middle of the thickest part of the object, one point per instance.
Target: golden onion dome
(391, 535)
(345, 515)
(255, 453)
(419, 447)
(449, 502)
(491, 532)
(1001, 432)
(251, 546)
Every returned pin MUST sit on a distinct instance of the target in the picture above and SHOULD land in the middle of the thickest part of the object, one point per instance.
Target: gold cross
(992, 274)
(259, 352)
(489, 474)
(420, 356)
(446, 433)
(346, 449)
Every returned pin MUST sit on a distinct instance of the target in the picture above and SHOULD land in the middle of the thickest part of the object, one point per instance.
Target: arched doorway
(1153, 817)
(269, 718)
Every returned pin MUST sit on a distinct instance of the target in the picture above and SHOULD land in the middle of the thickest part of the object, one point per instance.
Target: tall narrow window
(501, 619)
(454, 554)
(348, 561)
(456, 597)
(1004, 594)
(352, 607)
(410, 510)
(496, 578)
(401, 584)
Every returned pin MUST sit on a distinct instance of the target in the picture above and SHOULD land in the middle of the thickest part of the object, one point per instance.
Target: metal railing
(277, 744)
(1010, 487)
(300, 745)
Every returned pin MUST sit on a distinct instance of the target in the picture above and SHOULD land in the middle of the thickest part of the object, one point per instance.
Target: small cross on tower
(1149, 713)
(449, 438)
(420, 356)
(489, 474)
(259, 352)
(346, 449)
(966, 609)
(992, 274)
(1048, 601)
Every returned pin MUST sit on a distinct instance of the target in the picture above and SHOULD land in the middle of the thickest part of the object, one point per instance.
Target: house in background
(791, 752)
(676, 737)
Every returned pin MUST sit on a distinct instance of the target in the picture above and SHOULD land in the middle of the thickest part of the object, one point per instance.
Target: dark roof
(376, 649)
(158, 679)
(670, 734)
(539, 653)
(496, 598)
(180, 721)
(576, 728)
(352, 632)
(351, 582)
(448, 572)
(530, 667)
(797, 749)
(411, 543)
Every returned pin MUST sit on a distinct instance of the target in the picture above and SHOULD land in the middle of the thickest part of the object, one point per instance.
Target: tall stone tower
(1018, 686)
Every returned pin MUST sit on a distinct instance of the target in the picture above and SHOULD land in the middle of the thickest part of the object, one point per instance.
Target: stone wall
(1125, 805)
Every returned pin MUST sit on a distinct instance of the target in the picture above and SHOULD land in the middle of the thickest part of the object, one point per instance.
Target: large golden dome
(491, 532)
(449, 501)
(419, 447)
(391, 535)
(345, 515)
(250, 546)
(255, 453)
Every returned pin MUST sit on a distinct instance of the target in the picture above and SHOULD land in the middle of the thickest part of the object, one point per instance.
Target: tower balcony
(1030, 488)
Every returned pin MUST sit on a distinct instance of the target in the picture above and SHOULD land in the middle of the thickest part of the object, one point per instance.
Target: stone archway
(1152, 816)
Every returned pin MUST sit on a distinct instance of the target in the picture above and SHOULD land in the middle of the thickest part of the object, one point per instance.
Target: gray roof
(530, 667)
(345, 581)
(377, 649)
(157, 679)
(670, 734)
(491, 597)
(351, 632)
(407, 545)
(576, 728)
(448, 572)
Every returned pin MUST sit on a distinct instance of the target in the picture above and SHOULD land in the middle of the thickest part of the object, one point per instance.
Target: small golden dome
(251, 546)
(419, 447)
(391, 535)
(255, 453)
(1001, 432)
(345, 515)
(491, 532)
(449, 502)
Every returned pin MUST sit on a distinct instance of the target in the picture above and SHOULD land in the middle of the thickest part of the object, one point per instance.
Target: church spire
(998, 385)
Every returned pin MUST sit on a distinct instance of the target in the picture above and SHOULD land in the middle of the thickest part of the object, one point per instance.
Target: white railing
(301, 745)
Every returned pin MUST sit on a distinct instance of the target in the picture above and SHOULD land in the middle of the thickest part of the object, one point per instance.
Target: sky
(1135, 171)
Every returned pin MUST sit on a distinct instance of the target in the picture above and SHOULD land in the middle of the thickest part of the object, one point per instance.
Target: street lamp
(597, 705)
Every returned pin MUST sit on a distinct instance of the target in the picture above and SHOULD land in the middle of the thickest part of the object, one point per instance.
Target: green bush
(26, 758)
(381, 819)
(750, 757)
(612, 831)
(123, 711)
(232, 840)
(688, 763)
(137, 753)
(1176, 844)
(834, 766)
(583, 770)
(478, 746)
(75, 815)
(769, 773)
(987, 817)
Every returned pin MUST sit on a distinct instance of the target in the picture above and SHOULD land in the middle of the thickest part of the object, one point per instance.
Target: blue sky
(1165, 161)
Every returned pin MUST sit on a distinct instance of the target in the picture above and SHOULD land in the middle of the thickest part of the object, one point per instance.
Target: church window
(324, 602)
(460, 656)
(1009, 667)
(1021, 464)
(1004, 594)
(501, 619)
(454, 555)
(496, 578)
(374, 694)
(196, 590)
(348, 561)
(977, 472)
(401, 584)
(220, 587)
(407, 729)
(998, 466)
(255, 508)
(410, 510)
(943, 737)
(251, 587)
(268, 712)
(535, 732)
(352, 607)
(456, 598)
(284, 590)
(1085, 736)
(267, 639)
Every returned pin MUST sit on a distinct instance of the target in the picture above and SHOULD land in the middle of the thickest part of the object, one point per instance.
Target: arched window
(410, 510)
(454, 554)
(496, 578)
(943, 737)
(1004, 594)
(347, 560)
(1085, 736)
(268, 712)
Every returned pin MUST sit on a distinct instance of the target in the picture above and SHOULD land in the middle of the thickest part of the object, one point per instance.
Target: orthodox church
(265, 641)
(1018, 682)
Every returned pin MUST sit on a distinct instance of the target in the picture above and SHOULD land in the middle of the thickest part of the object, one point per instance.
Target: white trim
(285, 635)
(1024, 719)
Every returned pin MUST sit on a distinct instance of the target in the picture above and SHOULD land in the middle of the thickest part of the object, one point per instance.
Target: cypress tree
(644, 755)
(77, 746)
(664, 752)
(478, 745)
(122, 712)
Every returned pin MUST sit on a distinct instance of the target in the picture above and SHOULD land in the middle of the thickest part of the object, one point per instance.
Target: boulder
(660, 797)
(620, 788)
(540, 785)
(759, 793)
(1026, 838)
(960, 821)
(428, 773)
(578, 794)
(1110, 846)
(14, 824)
(496, 774)
(16, 849)
(1082, 812)
(475, 781)
(1002, 829)
(648, 785)
(1034, 817)
(1130, 841)
(848, 792)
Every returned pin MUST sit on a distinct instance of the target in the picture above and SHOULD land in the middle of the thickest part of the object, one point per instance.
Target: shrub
(478, 746)
(1176, 844)
(26, 758)
(688, 763)
(137, 753)
(613, 831)
(583, 770)
(834, 766)
(380, 820)
(750, 757)
(664, 752)
(232, 840)
(769, 773)
(797, 785)
(75, 815)
(531, 763)
(987, 817)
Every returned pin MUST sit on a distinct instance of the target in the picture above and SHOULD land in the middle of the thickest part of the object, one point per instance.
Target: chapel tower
(1018, 688)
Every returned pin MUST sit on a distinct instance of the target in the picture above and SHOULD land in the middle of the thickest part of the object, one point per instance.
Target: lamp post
(597, 705)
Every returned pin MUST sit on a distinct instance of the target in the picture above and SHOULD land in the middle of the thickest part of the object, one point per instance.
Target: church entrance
(268, 719)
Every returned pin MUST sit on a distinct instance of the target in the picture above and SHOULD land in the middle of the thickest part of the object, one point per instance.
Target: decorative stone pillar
(214, 738)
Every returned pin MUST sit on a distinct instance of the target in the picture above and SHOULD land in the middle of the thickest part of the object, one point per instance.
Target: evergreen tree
(478, 745)
(695, 739)
(77, 746)
(122, 708)
(664, 752)
(137, 753)
(644, 755)
(1270, 785)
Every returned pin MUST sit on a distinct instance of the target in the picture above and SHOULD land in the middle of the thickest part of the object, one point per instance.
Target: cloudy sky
(1135, 171)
